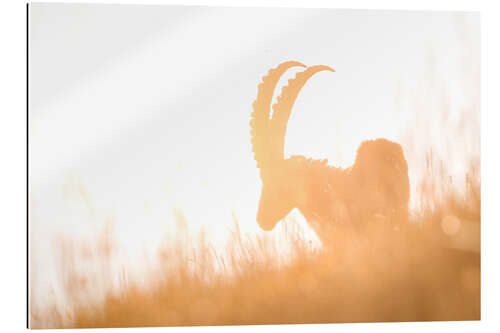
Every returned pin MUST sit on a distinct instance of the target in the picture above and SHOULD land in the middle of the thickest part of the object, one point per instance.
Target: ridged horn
(259, 123)
(283, 107)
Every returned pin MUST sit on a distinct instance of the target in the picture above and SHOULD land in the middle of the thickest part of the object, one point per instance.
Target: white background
(13, 143)
(137, 110)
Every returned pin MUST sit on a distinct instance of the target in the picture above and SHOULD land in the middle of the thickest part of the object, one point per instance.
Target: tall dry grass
(426, 270)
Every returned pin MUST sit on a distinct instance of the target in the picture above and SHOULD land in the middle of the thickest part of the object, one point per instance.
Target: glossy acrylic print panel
(233, 166)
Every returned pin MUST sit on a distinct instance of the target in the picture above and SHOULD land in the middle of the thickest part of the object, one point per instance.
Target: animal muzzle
(273, 207)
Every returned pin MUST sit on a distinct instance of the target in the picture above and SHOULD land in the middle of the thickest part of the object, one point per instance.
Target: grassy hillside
(426, 270)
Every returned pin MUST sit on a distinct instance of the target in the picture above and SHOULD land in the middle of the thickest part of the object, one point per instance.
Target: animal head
(279, 190)
(277, 196)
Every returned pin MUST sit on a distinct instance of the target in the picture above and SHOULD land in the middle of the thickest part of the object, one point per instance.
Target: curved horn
(259, 123)
(283, 107)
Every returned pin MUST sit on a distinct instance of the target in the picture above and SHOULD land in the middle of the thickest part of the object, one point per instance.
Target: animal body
(375, 186)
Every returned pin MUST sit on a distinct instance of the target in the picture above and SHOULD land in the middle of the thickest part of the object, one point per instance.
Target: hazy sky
(135, 110)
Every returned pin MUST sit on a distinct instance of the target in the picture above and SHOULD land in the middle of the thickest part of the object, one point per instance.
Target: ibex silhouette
(376, 184)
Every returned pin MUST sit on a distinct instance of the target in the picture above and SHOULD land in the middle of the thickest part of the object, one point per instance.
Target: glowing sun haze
(137, 111)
